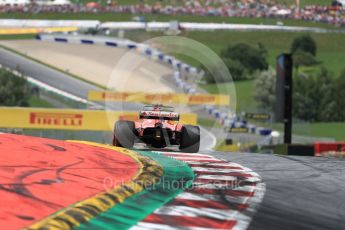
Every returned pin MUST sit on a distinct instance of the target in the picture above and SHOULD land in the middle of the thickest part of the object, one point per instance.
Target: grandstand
(14, 2)
(39, 2)
(313, 11)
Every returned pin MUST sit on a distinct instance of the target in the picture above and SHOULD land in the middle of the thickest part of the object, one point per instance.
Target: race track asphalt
(301, 192)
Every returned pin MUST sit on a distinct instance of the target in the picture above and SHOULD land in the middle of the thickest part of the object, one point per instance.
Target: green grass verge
(39, 103)
(334, 130)
(244, 92)
(208, 123)
(17, 36)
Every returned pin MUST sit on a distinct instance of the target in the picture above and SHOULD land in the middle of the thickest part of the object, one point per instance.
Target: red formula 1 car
(158, 126)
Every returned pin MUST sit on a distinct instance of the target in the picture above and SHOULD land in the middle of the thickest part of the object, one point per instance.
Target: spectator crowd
(334, 15)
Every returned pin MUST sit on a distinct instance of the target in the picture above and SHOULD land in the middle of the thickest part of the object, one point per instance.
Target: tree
(339, 96)
(213, 75)
(237, 70)
(301, 58)
(328, 110)
(265, 85)
(14, 90)
(252, 58)
(262, 50)
(304, 43)
(314, 97)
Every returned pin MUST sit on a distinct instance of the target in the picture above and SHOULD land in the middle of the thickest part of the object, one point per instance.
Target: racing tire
(124, 134)
(190, 139)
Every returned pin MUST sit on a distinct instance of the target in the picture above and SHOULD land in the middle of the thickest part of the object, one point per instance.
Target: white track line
(216, 170)
(178, 154)
(185, 154)
(175, 210)
(205, 197)
(217, 177)
(187, 158)
(217, 164)
(228, 178)
(206, 161)
(233, 187)
(152, 226)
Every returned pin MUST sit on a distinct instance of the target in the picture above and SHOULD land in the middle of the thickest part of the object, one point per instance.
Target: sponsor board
(129, 117)
(57, 119)
(9, 31)
(238, 130)
(196, 99)
(70, 119)
(258, 116)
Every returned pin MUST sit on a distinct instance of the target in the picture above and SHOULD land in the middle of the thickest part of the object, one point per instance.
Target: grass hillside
(165, 18)
(331, 46)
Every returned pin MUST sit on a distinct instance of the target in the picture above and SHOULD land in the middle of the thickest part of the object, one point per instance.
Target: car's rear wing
(171, 116)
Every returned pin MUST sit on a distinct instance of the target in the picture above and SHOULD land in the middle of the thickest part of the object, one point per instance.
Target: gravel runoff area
(115, 68)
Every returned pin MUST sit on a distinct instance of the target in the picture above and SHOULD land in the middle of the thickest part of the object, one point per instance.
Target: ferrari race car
(158, 126)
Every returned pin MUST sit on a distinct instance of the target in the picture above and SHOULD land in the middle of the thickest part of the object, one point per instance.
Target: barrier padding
(329, 148)
(153, 98)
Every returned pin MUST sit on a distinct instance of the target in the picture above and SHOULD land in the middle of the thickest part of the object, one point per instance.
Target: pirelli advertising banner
(9, 31)
(70, 119)
(195, 99)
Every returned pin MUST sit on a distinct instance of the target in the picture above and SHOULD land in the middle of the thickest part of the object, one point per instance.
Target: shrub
(265, 85)
(14, 90)
(252, 58)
